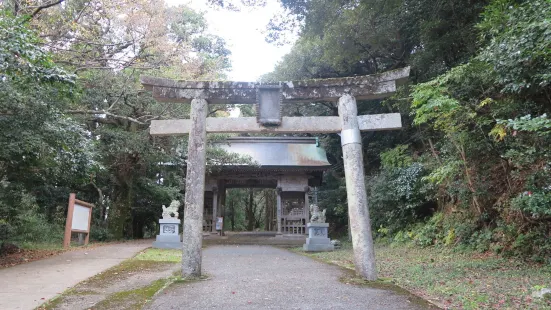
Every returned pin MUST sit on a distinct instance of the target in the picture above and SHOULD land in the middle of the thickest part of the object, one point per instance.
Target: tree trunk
(250, 211)
(268, 211)
(232, 217)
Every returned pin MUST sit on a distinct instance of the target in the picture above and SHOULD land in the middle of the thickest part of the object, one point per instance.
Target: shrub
(100, 233)
(399, 197)
(33, 227)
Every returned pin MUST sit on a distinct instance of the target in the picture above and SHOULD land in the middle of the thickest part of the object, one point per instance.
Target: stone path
(263, 277)
(28, 285)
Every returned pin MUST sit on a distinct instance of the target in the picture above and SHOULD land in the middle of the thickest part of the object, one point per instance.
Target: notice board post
(79, 216)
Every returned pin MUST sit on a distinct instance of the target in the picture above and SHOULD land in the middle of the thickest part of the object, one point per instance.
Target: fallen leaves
(25, 255)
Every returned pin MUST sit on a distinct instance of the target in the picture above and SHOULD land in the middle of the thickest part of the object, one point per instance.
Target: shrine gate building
(292, 165)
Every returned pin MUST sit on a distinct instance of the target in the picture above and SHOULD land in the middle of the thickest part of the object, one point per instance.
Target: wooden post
(87, 239)
(195, 191)
(279, 210)
(222, 199)
(69, 222)
(306, 209)
(358, 213)
(214, 208)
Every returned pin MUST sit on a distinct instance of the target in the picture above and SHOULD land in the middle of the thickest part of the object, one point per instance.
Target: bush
(33, 227)
(6, 230)
(399, 197)
(536, 205)
(100, 233)
(24, 223)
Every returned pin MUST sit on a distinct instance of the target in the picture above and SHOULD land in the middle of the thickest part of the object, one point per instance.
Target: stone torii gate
(269, 98)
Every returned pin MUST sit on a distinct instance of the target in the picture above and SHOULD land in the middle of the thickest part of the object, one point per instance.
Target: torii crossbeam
(269, 98)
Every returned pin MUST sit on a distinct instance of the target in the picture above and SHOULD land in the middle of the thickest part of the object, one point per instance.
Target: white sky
(251, 55)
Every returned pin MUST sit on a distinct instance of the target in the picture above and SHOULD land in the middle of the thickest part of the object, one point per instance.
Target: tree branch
(45, 6)
(214, 111)
(98, 112)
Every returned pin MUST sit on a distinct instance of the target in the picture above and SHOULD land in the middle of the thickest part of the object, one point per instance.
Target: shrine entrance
(291, 165)
(269, 99)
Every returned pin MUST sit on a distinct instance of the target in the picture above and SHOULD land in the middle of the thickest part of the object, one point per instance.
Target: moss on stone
(52, 303)
(133, 299)
(123, 271)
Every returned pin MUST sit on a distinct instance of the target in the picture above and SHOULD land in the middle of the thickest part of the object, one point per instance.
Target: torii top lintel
(223, 92)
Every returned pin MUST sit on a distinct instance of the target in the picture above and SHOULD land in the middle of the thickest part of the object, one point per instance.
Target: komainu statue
(317, 215)
(172, 211)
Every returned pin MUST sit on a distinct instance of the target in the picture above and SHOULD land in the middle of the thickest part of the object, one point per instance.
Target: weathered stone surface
(362, 87)
(317, 240)
(544, 293)
(315, 124)
(195, 195)
(214, 208)
(358, 213)
(278, 211)
(172, 211)
(169, 231)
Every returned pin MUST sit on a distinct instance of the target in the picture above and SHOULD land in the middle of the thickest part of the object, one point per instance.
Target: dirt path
(263, 277)
(29, 285)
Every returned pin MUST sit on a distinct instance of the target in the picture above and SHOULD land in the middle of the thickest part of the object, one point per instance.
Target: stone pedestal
(169, 237)
(317, 240)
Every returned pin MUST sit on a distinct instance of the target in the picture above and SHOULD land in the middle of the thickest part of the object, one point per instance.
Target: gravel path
(28, 285)
(263, 277)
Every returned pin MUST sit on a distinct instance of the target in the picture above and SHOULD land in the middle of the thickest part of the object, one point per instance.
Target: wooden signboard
(219, 223)
(79, 216)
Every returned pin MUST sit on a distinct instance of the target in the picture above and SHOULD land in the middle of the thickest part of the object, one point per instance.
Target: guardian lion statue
(171, 210)
(317, 215)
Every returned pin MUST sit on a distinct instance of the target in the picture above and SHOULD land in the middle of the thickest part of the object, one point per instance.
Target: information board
(219, 223)
(79, 216)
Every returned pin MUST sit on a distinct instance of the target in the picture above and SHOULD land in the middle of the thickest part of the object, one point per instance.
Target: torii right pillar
(358, 211)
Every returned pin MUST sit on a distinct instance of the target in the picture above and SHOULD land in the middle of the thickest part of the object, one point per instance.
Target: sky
(251, 55)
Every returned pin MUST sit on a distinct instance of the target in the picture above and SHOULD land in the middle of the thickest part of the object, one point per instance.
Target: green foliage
(396, 158)
(480, 131)
(537, 204)
(40, 146)
(519, 47)
(100, 233)
(59, 134)
(539, 124)
(400, 196)
(503, 93)
(21, 58)
(344, 38)
(29, 225)
(443, 173)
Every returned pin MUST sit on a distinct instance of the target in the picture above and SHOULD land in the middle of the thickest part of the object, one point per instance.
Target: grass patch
(137, 298)
(160, 255)
(133, 299)
(455, 280)
(149, 260)
(122, 271)
(52, 303)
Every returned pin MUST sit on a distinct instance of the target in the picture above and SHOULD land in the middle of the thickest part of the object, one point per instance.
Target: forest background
(470, 169)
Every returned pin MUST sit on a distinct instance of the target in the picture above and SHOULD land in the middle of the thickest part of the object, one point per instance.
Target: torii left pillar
(195, 191)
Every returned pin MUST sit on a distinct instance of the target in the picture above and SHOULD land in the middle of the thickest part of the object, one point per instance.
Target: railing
(207, 225)
(294, 222)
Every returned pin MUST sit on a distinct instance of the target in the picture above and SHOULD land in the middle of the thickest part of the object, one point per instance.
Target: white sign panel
(80, 218)
(219, 223)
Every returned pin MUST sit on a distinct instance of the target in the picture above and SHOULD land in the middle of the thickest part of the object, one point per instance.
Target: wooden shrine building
(292, 165)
